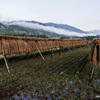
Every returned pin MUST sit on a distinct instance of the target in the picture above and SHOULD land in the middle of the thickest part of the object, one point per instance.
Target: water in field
(60, 78)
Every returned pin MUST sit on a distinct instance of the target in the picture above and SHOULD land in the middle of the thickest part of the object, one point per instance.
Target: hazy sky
(83, 14)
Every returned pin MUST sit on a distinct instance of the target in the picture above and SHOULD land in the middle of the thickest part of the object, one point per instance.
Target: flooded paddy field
(65, 76)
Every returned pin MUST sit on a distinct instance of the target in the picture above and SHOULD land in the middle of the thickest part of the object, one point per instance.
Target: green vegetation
(58, 78)
(82, 38)
(14, 30)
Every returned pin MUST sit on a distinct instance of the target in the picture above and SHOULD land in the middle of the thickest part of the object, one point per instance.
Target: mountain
(62, 26)
(66, 27)
(38, 28)
(2, 26)
(95, 32)
(6, 29)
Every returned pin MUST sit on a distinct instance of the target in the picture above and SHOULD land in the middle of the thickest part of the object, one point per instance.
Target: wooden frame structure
(10, 45)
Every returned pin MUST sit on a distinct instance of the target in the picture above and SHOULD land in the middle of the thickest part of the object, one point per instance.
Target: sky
(83, 14)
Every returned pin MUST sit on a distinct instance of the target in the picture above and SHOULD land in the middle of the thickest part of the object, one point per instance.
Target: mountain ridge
(38, 28)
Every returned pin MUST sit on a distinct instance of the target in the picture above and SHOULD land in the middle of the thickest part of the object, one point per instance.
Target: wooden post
(6, 63)
(94, 60)
(90, 79)
(51, 53)
(40, 53)
(26, 56)
(57, 50)
(99, 56)
(91, 53)
(63, 51)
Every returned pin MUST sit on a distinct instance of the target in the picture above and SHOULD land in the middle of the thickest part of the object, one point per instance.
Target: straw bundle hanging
(94, 55)
(10, 45)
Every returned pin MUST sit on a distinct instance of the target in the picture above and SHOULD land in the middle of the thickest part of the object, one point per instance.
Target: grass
(1, 56)
(58, 78)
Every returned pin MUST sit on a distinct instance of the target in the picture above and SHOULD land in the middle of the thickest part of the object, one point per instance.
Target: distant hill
(62, 26)
(66, 27)
(97, 32)
(51, 30)
(16, 29)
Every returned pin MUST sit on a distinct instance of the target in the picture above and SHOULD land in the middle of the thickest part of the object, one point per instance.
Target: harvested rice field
(66, 75)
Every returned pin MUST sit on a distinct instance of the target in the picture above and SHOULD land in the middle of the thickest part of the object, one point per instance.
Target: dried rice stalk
(10, 45)
(93, 53)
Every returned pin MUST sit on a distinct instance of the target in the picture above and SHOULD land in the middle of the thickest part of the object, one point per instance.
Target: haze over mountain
(97, 32)
(38, 28)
